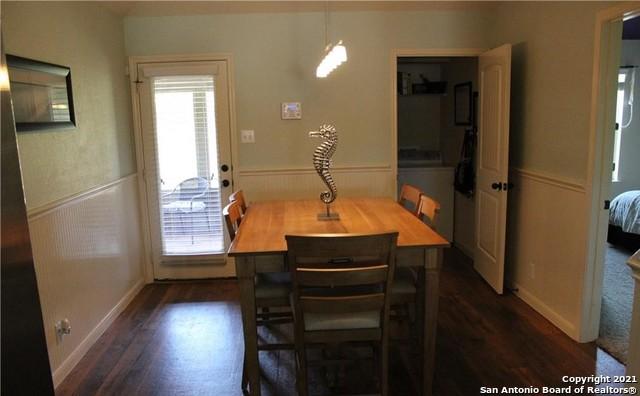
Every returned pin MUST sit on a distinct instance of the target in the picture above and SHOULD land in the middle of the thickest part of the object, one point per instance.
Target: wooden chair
(238, 196)
(428, 209)
(271, 289)
(232, 218)
(410, 195)
(341, 285)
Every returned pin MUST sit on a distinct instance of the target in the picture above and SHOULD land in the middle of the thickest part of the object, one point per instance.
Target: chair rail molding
(533, 252)
(88, 258)
(546, 178)
(43, 210)
(303, 182)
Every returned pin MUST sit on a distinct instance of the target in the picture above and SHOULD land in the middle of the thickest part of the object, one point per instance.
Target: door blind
(187, 165)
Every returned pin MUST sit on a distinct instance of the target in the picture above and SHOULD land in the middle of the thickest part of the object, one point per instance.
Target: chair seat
(403, 282)
(341, 321)
(184, 206)
(273, 285)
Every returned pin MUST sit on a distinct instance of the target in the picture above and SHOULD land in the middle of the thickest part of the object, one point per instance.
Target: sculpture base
(328, 216)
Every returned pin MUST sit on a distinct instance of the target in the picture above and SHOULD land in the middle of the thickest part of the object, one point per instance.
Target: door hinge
(607, 204)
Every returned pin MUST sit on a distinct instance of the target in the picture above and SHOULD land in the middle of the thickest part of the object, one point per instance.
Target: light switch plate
(247, 136)
(291, 111)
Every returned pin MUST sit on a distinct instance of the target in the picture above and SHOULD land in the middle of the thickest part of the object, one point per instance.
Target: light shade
(334, 58)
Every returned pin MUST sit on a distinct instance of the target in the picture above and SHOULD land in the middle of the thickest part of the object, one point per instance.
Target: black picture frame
(462, 103)
(41, 94)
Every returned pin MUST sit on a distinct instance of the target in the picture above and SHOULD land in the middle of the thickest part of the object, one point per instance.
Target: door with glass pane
(184, 112)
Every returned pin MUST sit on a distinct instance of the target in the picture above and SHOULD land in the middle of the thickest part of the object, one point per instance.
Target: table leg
(432, 265)
(246, 271)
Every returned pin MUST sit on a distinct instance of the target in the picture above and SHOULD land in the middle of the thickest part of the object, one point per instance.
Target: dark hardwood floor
(186, 339)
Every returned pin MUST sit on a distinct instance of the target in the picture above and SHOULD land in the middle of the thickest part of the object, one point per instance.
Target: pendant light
(334, 55)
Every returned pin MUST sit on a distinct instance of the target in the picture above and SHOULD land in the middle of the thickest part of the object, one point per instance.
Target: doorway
(623, 228)
(490, 183)
(430, 138)
(184, 130)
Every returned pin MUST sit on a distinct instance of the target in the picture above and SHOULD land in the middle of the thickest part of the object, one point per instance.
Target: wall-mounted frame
(41, 94)
(462, 103)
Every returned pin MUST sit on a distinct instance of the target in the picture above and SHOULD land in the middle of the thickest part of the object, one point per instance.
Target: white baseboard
(74, 358)
(545, 311)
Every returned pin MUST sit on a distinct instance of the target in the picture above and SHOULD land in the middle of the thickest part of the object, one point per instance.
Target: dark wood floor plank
(185, 338)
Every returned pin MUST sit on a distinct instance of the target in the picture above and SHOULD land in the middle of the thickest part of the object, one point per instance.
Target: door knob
(496, 186)
(225, 183)
(224, 167)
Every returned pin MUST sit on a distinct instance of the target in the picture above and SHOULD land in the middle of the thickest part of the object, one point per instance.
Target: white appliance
(436, 182)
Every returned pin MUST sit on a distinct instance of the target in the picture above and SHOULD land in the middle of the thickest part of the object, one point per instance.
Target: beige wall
(549, 147)
(275, 57)
(87, 249)
(88, 39)
(551, 83)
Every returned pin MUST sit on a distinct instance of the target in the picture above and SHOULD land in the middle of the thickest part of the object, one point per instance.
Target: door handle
(507, 186)
(496, 186)
(224, 167)
(225, 183)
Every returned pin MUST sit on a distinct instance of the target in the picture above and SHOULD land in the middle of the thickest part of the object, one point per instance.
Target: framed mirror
(462, 103)
(41, 94)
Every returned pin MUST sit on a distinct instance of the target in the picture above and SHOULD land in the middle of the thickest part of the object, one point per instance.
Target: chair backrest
(428, 208)
(190, 188)
(232, 218)
(341, 273)
(410, 194)
(238, 196)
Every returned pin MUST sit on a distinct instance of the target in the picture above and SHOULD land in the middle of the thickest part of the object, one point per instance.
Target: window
(624, 99)
(187, 156)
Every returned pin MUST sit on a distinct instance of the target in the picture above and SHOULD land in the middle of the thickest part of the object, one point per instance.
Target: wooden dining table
(262, 234)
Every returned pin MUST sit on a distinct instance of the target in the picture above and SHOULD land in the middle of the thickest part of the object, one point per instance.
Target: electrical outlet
(63, 328)
(247, 136)
(532, 270)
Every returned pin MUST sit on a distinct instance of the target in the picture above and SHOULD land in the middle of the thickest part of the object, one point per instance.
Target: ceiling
(162, 8)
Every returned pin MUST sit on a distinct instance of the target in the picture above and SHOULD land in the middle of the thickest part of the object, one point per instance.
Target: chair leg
(384, 367)
(245, 379)
(384, 364)
(301, 363)
(419, 306)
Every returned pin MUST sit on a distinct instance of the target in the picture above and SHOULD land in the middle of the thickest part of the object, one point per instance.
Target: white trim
(35, 213)
(137, 126)
(74, 358)
(306, 170)
(634, 264)
(393, 60)
(592, 287)
(543, 309)
(546, 178)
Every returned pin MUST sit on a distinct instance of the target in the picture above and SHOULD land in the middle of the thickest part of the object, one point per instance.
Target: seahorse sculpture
(322, 159)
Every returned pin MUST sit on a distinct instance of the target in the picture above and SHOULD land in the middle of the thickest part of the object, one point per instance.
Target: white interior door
(184, 113)
(492, 164)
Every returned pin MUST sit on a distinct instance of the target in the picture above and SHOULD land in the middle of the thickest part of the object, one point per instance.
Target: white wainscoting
(304, 183)
(88, 260)
(546, 237)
